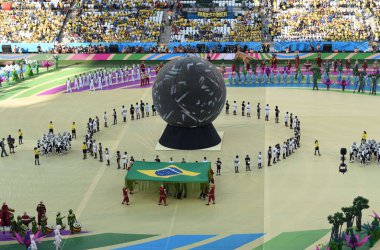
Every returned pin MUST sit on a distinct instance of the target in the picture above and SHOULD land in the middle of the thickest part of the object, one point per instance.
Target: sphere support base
(190, 138)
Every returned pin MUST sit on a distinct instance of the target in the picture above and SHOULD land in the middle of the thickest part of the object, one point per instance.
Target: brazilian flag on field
(169, 172)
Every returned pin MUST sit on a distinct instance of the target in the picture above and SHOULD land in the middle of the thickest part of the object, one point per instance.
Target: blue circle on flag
(168, 171)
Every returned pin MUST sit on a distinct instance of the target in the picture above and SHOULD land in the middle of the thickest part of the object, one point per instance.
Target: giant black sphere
(189, 92)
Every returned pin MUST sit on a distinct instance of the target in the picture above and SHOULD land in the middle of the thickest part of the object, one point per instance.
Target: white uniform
(105, 117)
(146, 108)
(76, 86)
(117, 77)
(234, 107)
(80, 82)
(124, 113)
(149, 70)
(260, 159)
(126, 74)
(267, 110)
(121, 73)
(100, 86)
(137, 109)
(92, 86)
(248, 109)
(125, 160)
(138, 73)
(133, 72)
(107, 156)
(68, 87)
(88, 78)
(110, 78)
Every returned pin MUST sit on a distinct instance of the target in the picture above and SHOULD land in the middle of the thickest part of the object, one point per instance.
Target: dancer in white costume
(116, 77)
(126, 73)
(76, 86)
(80, 81)
(133, 72)
(92, 86)
(57, 238)
(68, 87)
(110, 77)
(100, 82)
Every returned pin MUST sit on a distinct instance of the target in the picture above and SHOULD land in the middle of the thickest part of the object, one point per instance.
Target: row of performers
(275, 76)
(336, 65)
(22, 223)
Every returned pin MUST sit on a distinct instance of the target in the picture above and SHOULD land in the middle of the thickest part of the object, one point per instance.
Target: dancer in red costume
(162, 196)
(365, 66)
(274, 61)
(125, 195)
(211, 194)
(142, 67)
(297, 61)
(319, 60)
(5, 214)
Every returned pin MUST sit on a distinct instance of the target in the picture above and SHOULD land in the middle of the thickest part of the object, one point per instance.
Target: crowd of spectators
(33, 21)
(115, 21)
(108, 21)
(246, 27)
(320, 24)
(323, 20)
(99, 48)
(107, 5)
(376, 30)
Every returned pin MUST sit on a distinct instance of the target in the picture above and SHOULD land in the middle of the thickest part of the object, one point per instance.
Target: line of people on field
(100, 78)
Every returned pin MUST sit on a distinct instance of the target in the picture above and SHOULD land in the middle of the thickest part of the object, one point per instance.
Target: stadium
(194, 124)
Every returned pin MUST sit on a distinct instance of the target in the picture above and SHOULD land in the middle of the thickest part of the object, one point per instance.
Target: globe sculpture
(189, 94)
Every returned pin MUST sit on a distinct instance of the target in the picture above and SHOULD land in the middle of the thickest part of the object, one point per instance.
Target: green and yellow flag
(169, 172)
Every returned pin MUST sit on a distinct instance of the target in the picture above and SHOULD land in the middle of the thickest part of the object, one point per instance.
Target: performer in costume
(316, 73)
(142, 67)
(71, 219)
(57, 237)
(375, 67)
(365, 66)
(307, 65)
(361, 82)
(340, 67)
(356, 68)
(263, 66)
(25, 218)
(335, 65)
(162, 195)
(59, 219)
(326, 66)
(41, 209)
(348, 65)
(6, 214)
(211, 194)
(223, 69)
(274, 61)
(297, 61)
(43, 223)
(125, 195)
(319, 60)
(34, 225)
(289, 65)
